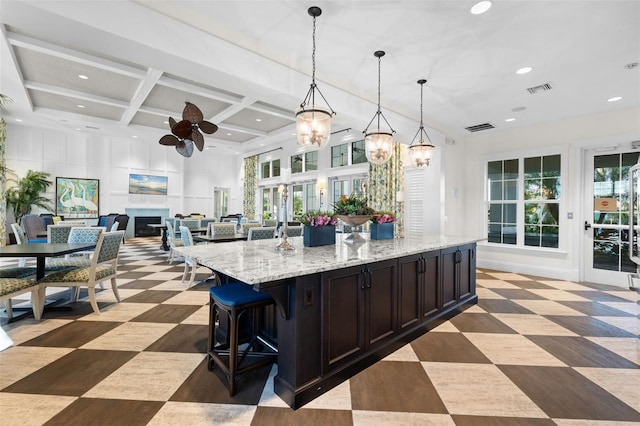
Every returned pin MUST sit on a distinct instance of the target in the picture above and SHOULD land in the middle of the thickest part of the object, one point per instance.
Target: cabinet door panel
(382, 295)
(409, 287)
(431, 295)
(467, 273)
(343, 314)
(449, 275)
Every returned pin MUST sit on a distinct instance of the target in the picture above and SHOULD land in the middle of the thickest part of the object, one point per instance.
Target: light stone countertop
(255, 262)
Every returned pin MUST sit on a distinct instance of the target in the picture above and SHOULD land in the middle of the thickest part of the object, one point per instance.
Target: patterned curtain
(385, 180)
(3, 184)
(250, 187)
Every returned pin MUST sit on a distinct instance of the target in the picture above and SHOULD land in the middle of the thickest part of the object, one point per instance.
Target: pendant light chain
(379, 112)
(421, 114)
(313, 54)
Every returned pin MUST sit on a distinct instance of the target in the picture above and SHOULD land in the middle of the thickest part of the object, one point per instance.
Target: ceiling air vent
(92, 127)
(541, 88)
(480, 127)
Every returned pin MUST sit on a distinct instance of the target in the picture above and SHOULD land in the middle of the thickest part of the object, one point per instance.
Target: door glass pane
(310, 197)
(297, 199)
(338, 189)
(266, 203)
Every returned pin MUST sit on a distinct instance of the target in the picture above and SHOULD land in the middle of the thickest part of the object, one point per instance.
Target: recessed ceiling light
(518, 109)
(261, 144)
(614, 99)
(481, 7)
(237, 152)
(228, 134)
(258, 119)
(524, 70)
(166, 122)
(135, 137)
(78, 128)
(510, 119)
(83, 77)
(80, 106)
(18, 119)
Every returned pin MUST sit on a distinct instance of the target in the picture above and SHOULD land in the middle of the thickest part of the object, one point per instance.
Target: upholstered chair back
(217, 229)
(262, 233)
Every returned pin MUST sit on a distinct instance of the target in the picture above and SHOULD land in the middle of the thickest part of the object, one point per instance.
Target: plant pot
(313, 236)
(381, 231)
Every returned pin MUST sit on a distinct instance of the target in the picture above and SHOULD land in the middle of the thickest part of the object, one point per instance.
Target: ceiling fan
(186, 133)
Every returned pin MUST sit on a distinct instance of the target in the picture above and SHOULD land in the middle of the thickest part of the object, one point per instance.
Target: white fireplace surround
(163, 212)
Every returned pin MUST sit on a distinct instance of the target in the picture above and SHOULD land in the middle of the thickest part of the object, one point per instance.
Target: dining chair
(218, 229)
(18, 232)
(261, 233)
(103, 266)
(246, 226)
(58, 233)
(172, 240)
(190, 223)
(187, 241)
(204, 222)
(33, 225)
(292, 231)
(12, 287)
(271, 222)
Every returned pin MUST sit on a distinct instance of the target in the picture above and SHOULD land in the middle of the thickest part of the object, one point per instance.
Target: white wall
(572, 137)
(109, 159)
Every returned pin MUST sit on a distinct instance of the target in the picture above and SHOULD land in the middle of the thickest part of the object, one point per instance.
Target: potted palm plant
(27, 193)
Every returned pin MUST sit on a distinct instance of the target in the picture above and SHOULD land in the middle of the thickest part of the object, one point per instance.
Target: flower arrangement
(317, 218)
(353, 205)
(383, 216)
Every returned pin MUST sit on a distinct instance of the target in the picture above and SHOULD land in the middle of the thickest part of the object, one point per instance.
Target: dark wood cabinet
(359, 307)
(419, 288)
(458, 274)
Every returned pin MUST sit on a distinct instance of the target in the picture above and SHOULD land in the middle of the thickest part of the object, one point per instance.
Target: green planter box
(313, 236)
(381, 231)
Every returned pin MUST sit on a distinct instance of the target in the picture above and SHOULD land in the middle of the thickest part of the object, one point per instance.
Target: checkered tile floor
(533, 351)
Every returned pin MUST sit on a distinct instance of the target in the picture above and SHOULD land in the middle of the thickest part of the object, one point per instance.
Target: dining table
(164, 246)
(43, 250)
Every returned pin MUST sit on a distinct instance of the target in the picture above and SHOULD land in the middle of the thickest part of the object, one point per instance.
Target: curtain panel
(250, 187)
(385, 180)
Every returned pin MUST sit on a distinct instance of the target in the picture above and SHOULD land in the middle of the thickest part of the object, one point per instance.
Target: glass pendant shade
(313, 126)
(378, 146)
(420, 154)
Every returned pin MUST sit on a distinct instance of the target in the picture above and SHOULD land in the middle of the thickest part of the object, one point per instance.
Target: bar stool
(235, 299)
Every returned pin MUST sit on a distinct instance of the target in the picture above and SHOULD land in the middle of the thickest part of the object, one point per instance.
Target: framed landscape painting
(77, 198)
(148, 184)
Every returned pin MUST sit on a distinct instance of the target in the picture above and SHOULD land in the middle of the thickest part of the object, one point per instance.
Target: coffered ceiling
(247, 64)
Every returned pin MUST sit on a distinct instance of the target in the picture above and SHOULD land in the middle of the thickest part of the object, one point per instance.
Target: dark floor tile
(580, 352)
(529, 284)
(573, 396)
(480, 323)
(212, 386)
(447, 347)
(588, 326)
(167, 313)
(502, 306)
(184, 338)
(75, 310)
(595, 309)
(152, 296)
(368, 394)
(269, 416)
(141, 284)
(484, 276)
(599, 296)
(517, 294)
(499, 421)
(126, 267)
(73, 374)
(133, 275)
(106, 412)
(73, 335)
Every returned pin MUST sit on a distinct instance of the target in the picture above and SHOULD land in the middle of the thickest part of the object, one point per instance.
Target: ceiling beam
(145, 87)
(48, 88)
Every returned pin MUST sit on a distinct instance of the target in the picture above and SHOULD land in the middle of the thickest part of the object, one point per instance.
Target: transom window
(304, 162)
(348, 154)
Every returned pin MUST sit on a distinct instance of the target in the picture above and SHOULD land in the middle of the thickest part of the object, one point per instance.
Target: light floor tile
(509, 276)
(191, 413)
(632, 296)
(199, 317)
(577, 422)
(475, 309)
(124, 293)
(161, 276)
(495, 284)
(389, 418)
(624, 384)
(630, 324)
(446, 327)
(189, 298)
(479, 389)
(565, 285)
(269, 397)
(176, 285)
(628, 348)
(484, 293)
(154, 268)
(29, 328)
(548, 307)
(405, 353)
(629, 307)
(130, 336)
(512, 349)
(26, 410)
(18, 362)
(533, 325)
(149, 376)
(338, 398)
(119, 312)
(558, 295)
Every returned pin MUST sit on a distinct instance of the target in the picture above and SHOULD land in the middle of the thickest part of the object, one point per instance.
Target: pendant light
(420, 153)
(313, 122)
(378, 143)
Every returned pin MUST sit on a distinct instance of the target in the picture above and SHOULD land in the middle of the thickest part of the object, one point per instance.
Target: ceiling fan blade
(198, 139)
(172, 123)
(169, 140)
(185, 148)
(207, 127)
(182, 129)
(192, 113)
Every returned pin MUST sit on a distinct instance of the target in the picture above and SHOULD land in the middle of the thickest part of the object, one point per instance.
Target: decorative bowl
(353, 221)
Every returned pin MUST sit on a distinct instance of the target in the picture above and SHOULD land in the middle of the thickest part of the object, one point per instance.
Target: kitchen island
(343, 307)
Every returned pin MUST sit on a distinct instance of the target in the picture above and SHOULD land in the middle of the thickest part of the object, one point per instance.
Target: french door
(607, 216)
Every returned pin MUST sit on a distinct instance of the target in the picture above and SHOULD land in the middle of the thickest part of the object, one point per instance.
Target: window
(305, 162)
(296, 163)
(275, 168)
(270, 169)
(523, 205)
(357, 152)
(297, 197)
(339, 155)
